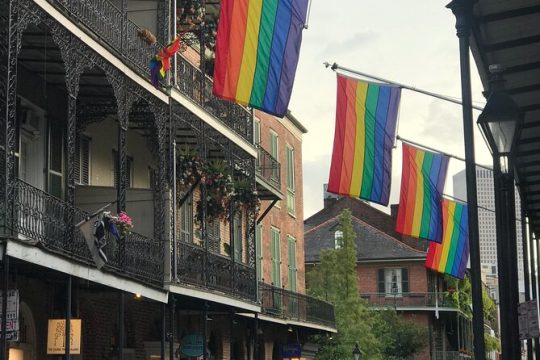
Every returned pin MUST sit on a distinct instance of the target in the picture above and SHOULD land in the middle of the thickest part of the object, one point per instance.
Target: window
(129, 170)
(237, 234)
(186, 220)
(276, 257)
(393, 281)
(292, 262)
(56, 160)
(212, 236)
(274, 143)
(290, 180)
(82, 160)
(338, 239)
(259, 242)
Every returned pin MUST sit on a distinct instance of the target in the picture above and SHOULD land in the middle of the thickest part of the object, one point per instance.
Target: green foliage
(402, 338)
(334, 279)
(459, 294)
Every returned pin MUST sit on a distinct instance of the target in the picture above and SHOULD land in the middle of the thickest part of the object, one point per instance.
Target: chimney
(394, 210)
(328, 198)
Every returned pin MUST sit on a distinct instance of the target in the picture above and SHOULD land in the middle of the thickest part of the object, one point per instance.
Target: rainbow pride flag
(366, 116)
(257, 48)
(161, 62)
(422, 183)
(451, 256)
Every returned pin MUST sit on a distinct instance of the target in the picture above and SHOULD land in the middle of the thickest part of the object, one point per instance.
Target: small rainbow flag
(366, 116)
(161, 62)
(257, 48)
(451, 256)
(422, 183)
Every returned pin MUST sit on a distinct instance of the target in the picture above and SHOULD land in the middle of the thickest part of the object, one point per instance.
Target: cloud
(315, 175)
(349, 45)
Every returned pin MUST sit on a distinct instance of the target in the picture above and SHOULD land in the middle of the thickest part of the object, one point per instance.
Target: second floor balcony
(289, 305)
(412, 301)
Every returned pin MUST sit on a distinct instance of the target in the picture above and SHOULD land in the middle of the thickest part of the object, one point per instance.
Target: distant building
(486, 220)
(391, 274)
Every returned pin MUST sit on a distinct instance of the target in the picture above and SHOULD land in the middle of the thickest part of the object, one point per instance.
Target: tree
(399, 338)
(334, 279)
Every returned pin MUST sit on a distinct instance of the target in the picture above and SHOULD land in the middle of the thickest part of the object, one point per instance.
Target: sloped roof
(371, 244)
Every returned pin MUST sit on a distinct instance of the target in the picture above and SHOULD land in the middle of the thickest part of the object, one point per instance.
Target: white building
(486, 219)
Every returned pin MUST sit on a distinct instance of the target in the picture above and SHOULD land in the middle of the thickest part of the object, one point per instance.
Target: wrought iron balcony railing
(294, 306)
(40, 218)
(108, 24)
(268, 167)
(451, 355)
(410, 300)
(199, 267)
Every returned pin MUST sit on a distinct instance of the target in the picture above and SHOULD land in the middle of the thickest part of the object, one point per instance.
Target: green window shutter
(292, 263)
(405, 280)
(380, 282)
(237, 223)
(259, 263)
(290, 179)
(276, 258)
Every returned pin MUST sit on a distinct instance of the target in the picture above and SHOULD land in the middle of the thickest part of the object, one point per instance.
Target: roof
(371, 243)
(507, 33)
(296, 123)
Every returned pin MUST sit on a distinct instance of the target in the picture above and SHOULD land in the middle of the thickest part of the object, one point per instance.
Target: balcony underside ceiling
(507, 33)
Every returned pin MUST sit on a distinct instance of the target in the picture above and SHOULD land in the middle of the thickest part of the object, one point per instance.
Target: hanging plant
(190, 168)
(245, 196)
(219, 190)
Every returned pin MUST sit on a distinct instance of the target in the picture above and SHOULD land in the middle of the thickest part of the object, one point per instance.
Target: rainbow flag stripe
(451, 256)
(366, 116)
(257, 48)
(422, 183)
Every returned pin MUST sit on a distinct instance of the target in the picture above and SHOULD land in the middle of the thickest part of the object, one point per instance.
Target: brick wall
(368, 275)
(279, 216)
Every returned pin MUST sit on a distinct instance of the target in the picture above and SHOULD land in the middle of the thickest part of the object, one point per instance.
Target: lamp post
(498, 122)
(357, 355)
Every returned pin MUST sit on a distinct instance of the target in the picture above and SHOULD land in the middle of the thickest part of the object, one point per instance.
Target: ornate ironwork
(40, 219)
(268, 167)
(295, 306)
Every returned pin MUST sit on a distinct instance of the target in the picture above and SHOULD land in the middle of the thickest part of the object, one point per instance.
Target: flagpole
(94, 214)
(439, 152)
(335, 67)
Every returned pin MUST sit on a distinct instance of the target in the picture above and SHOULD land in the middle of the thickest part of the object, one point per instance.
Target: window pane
(55, 185)
(56, 148)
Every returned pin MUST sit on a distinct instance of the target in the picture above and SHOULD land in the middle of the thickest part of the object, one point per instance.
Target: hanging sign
(293, 350)
(192, 345)
(12, 315)
(56, 339)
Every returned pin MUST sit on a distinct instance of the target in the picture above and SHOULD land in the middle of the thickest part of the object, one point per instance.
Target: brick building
(84, 130)
(391, 274)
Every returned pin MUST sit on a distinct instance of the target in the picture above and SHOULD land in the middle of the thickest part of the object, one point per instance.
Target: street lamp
(357, 355)
(498, 122)
(499, 118)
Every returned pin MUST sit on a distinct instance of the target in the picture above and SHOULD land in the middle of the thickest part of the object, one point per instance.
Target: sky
(412, 42)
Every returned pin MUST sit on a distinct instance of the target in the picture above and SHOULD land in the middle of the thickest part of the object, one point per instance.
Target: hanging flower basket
(190, 168)
(245, 196)
(219, 189)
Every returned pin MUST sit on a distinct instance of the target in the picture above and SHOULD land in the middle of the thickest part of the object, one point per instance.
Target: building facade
(392, 275)
(83, 132)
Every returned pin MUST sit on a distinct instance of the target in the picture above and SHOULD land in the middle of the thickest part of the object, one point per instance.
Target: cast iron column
(507, 262)
(68, 319)
(462, 9)
(4, 303)
(524, 242)
(172, 326)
